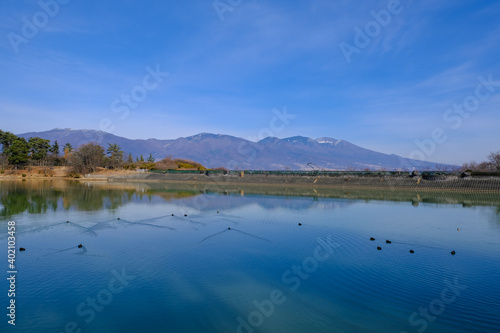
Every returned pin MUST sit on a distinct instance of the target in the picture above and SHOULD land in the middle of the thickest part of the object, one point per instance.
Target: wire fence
(401, 180)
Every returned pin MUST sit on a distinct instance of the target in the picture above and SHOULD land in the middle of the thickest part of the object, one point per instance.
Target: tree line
(491, 165)
(18, 152)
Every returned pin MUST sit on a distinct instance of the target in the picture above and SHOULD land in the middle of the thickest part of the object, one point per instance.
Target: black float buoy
(453, 252)
(22, 249)
(411, 251)
(185, 214)
(372, 239)
(388, 241)
(67, 221)
(80, 246)
(172, 214)
(300, 223)
(379, 248)
(229, 228)
(217, 212)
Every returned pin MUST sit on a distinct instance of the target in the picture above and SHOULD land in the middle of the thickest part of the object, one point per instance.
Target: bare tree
(494, 159)
(87, 158)
(469, 166)
(483, 166)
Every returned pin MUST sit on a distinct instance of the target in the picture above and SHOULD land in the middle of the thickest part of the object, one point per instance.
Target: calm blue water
(150, 271)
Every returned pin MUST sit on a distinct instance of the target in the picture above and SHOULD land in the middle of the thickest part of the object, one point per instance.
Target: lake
(179, 258)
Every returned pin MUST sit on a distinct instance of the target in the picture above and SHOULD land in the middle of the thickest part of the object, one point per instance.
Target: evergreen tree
(55, 148)
(68, 148)
(18, 151)
(3, 161)
(142, 158)
(151, 158)
(6, 140)
(130, 159)
(115, 155)
(38, 148)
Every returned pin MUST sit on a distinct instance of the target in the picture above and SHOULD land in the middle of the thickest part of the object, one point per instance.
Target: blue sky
(391, 88)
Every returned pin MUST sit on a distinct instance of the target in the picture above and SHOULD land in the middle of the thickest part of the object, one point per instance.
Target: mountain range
(216, 150)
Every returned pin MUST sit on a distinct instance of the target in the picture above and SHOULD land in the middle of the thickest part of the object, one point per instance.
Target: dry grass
(175, 164)
(35, 172)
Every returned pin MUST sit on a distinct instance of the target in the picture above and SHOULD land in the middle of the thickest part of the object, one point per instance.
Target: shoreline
(169, 190)
(306, 180)
(337, 181)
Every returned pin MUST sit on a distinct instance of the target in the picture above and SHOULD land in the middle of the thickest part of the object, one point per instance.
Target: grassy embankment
(48, 172)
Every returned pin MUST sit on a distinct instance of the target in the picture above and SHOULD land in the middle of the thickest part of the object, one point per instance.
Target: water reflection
(38, 197)
(212, 252)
